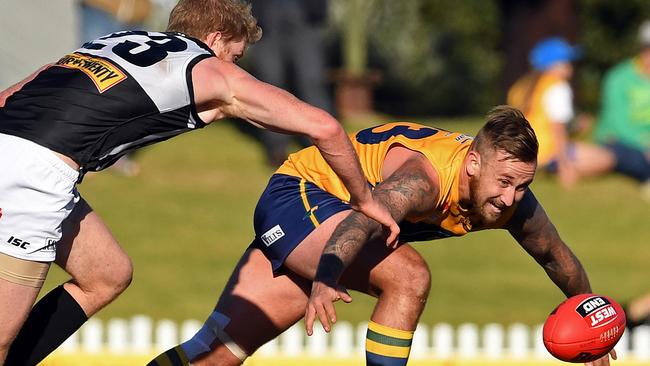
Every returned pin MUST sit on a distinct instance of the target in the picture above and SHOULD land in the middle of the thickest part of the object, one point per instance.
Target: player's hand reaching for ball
(321, 305)
(603, 361)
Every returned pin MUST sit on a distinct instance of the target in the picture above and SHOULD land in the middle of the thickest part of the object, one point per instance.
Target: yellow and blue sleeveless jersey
(445, 151)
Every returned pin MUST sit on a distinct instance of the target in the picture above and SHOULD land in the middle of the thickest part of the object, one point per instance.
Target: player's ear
(213, 38)
(473, 163)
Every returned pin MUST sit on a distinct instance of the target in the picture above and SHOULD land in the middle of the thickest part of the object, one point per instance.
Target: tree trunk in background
(353, 94)
(528, 21)
(354, 83)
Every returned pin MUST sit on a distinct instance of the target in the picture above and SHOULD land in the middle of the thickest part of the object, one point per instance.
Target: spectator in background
(637, 311)
(98, 18)
(624, 123)
(291, 55)
(546, 98)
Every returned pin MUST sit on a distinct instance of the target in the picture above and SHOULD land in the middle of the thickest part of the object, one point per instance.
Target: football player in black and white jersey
(82, 113)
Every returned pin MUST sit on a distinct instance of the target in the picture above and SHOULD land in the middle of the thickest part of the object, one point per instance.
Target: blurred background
(185, 216)
(421, 57)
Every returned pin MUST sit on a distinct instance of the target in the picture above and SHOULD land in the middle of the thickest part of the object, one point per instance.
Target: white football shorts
(37, 192)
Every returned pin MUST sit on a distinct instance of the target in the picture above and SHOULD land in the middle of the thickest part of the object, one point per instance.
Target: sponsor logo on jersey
(104, 74)
(596, 311)
(273, 235)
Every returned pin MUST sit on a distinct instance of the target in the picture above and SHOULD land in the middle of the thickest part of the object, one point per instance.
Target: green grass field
(188, 217)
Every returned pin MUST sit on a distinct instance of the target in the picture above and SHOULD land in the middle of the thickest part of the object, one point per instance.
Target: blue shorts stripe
(288, 210)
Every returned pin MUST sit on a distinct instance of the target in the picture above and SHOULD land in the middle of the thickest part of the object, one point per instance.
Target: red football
(584, 328)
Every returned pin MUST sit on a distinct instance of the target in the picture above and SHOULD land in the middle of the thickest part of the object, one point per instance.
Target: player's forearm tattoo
(408, 191)
(537, 235)
(566, 271)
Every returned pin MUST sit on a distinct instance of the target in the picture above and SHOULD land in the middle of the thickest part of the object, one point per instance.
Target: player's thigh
(593, 159)
(259, 304)
(20, 282)
(90, 253)
(379, 268)
(304, 259)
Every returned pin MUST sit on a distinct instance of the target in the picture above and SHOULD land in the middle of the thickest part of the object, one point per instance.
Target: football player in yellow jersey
(546, 98)
(310, 246)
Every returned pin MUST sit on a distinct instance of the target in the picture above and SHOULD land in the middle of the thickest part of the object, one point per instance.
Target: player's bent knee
(419, 282)
(211, 331)
(123, 279)
(409, 275)
(108, 283)
(115, 281)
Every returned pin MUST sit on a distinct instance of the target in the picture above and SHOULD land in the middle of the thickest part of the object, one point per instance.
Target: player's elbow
(326, 128)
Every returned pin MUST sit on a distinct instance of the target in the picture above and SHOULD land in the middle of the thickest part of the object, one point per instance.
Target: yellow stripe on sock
(391, 332)
(305, 202)
(385, 350)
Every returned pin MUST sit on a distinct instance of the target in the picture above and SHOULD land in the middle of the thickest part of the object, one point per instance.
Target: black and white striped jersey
(115, 94)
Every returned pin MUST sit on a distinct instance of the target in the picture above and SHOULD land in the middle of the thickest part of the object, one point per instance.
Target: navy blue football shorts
(289, 209)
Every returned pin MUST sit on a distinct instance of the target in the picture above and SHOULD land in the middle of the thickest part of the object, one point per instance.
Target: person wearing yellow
(309, 246)
(546, 98)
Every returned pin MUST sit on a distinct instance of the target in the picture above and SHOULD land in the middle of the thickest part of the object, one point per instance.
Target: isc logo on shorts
(272, 235)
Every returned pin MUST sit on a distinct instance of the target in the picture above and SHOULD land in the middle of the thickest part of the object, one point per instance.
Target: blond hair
(198, 18)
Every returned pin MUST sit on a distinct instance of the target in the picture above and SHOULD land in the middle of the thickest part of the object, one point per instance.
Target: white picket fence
(140, 335)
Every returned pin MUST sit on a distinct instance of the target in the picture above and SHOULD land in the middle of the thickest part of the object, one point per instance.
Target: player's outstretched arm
(237, 94)
(535, 232)
(410, 190)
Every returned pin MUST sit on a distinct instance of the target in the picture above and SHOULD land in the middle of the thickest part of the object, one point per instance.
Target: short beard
(479, 216)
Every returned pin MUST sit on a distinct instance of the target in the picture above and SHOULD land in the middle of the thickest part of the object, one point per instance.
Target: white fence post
(189, 328)
(270, 349)
(91, 336)
(443, 341)
(641, 343)
(317, 342)
(141, 334)
(493, 341)
(118, 336)
(420, 345)
(623, 346)
(342, 340)
(518, 341)
(362, 329)
(468, 340)
(539, 349)
(291, 341)
(166, 335)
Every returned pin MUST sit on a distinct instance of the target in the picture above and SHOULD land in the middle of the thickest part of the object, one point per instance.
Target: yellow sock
(387, 346)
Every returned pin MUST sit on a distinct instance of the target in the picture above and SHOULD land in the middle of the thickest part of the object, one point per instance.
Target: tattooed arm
(532, 228)
(411, 190)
